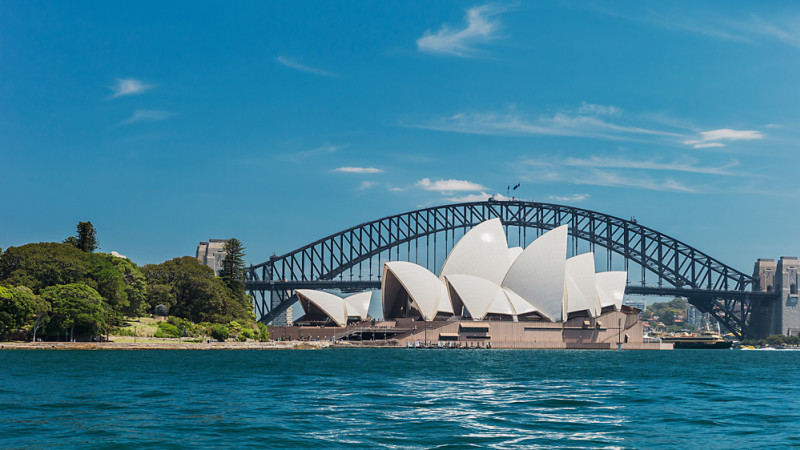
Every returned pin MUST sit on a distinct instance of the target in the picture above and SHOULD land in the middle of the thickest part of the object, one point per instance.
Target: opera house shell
(323, 307)
(484, 279)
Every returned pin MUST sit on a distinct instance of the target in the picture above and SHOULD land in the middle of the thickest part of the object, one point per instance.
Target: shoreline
(272, 345)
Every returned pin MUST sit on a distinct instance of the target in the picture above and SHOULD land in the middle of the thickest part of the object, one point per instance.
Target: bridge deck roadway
(353, 286)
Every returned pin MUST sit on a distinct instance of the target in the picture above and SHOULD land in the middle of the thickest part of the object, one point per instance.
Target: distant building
(638, 304)
(211, 253)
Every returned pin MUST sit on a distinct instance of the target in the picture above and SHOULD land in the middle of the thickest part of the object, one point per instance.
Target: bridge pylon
(782, 315)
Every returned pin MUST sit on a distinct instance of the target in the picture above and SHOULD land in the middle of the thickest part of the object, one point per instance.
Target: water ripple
(375, 398)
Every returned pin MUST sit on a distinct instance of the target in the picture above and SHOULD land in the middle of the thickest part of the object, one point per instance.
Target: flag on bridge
(516, 186)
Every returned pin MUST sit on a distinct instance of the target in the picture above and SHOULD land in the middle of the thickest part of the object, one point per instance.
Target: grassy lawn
(142, 327)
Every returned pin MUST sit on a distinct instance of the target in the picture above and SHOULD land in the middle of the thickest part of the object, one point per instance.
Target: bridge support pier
(781, 316)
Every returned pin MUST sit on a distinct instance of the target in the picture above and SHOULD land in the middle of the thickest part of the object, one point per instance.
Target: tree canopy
(191, 291)
(66, 287)
(18, 307)
(76, 307)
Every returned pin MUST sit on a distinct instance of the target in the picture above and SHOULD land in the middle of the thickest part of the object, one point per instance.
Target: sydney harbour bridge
(657, 264)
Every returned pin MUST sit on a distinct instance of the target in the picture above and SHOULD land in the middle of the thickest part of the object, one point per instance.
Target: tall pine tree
(233, 269)
(86, 239)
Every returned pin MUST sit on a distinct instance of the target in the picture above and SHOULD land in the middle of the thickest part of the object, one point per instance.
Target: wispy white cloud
(616, 172)
(358, 170)
(449, 185)
(480, 28)
(599, 110)
(113, 253)
(599, 177)
(715, 138)
(593, 121)
(304, 155)
(397, 189)
(721, 24)
(147, 115)
(477, 198)
(574, 198)
(128, 86)
(689, 165)
(365, 185)
(304, 68)
(588, 121)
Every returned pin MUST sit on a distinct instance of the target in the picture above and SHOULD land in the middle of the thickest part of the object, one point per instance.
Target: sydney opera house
(486, 295)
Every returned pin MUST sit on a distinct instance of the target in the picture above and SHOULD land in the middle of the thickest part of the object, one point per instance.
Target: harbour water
(399, 398)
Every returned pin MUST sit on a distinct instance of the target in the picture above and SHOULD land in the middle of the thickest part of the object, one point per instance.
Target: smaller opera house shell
(321, 307)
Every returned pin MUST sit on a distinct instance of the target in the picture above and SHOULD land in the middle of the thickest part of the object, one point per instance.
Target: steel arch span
(339, 261)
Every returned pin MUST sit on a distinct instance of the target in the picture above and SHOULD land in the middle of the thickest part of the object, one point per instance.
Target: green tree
(76, 307)
(668, 316)
(194, 292)
(160, 294)
(87, 237)
(19, 308)
(220, 332)
(263, 334)
(43, 264)
(109, 282)
(233, 269)
(38, 266)
(135, 285)
(776, 340)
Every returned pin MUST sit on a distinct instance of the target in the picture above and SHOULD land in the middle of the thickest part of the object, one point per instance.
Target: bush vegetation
(220, 332)
(68, 291)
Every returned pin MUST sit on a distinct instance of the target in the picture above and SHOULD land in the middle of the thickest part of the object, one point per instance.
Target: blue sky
(278, 123)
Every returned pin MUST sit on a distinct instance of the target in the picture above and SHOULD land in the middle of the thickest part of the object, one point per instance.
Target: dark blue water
(345, 398)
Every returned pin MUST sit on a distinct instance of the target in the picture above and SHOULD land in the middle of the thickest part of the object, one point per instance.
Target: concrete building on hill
(211, 253)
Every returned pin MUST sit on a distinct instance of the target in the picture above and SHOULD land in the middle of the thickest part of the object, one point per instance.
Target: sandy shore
(274, 345)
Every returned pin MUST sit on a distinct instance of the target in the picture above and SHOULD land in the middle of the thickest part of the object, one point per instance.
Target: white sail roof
(358, 305)
(500, 304)
(513, 254)
(520, 305)
(331, 305)
(482, 297)
(445, 304)
(482, 252)
(477, 293)
(537, 275)
(611, 288)
(424, 288)
(580, 283)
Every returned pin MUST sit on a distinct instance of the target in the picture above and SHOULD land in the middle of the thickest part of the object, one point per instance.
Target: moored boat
(705, 339)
